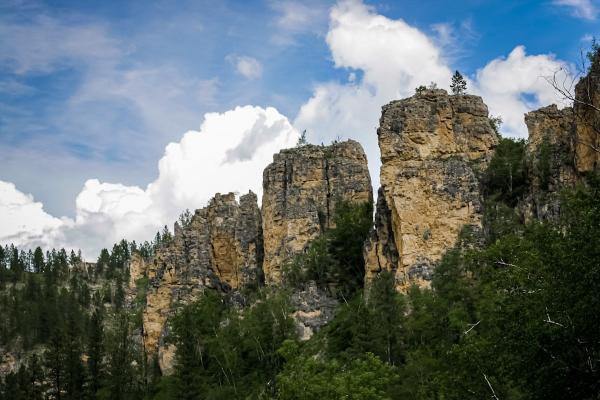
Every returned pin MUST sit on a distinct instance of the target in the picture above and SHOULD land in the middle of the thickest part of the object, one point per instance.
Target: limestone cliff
(587, 114)
(301, 188)
(562, 146)
(432, 146)
(551, 160)
(221, 249)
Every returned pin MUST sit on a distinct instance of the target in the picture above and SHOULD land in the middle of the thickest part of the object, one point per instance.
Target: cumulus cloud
(393, 58)
(581, 8)
(191, 171)
(517, 84)
(249, 67)
(387, 59)
(21, 215)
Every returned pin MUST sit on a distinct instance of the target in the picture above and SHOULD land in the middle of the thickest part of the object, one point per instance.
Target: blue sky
(96, 90)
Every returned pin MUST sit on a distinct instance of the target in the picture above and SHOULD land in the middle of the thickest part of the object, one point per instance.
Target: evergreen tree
(386, 319)
(459, 84)
(95, 353)
(74, 372)
(54, 360)
(38, 260)
(119, 297)
(120, 377)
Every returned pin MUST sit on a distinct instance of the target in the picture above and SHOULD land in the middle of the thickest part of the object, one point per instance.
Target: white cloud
(394, 59)
(517, 84)
(213, 159)
(21, 215)
(249, 67)
(581, 8)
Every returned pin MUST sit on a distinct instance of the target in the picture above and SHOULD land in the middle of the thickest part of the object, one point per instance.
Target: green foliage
(543, 165)
(185, 218)
(302, 141)
(593, 52)
(506, 177)
(495, 123)
(336, 256)
(420, 89)
(224, 352)
(365, 378)
(459, 84)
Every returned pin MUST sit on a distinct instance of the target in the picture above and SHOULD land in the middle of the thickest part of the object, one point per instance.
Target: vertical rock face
(380, 252)
(301, 188)
(137, 269)
(432, 145)
(587, 114)
(221, 249)
(551, 154)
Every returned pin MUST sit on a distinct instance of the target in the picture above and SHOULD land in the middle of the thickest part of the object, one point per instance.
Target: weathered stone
(220, 249)
(380, 252)
(551, 157)
(587, 113)
(432, 147)
(313, 308)
(137, 269)
(301, 188)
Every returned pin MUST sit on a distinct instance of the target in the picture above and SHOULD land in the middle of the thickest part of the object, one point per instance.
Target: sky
(117, 116)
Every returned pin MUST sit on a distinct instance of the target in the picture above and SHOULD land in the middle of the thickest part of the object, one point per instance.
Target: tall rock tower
(432, 147)
(301, 188)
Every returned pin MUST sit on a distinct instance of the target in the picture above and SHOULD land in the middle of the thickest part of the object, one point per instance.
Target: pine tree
(386, 318)
(95, 350)
(119, 297)
(459, 84)
(54, 360)
(74, 376)
(38, 260)
(120, 376)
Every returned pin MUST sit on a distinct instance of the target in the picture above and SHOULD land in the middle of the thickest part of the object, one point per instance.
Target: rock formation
(137, 269)
(563, 145)
(587, 115)
(432, 147)
(551, 160)
(221, 249)
(301, 188)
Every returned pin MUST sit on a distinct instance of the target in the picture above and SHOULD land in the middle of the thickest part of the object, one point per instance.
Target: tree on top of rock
(459, 84)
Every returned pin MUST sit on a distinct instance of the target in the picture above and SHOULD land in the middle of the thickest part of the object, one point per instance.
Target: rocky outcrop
(432, 147)
(313, 308)
(137, 269)
(551, 154)
(221, 248)
(587, 114)
(301, 188)
(380, 252)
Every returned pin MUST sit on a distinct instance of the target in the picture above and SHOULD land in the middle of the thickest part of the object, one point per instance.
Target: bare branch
(505, 264)
(566, 89)
(491, 388)
(549, 320)
(471, 327)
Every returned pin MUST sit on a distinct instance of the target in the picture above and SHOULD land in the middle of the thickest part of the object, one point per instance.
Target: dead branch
(471, 327)
(491, 388)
